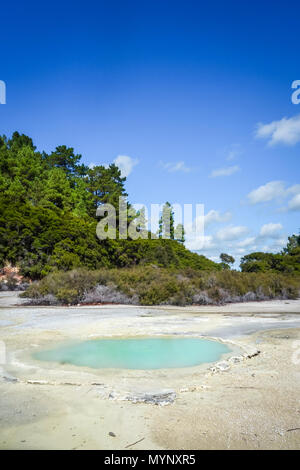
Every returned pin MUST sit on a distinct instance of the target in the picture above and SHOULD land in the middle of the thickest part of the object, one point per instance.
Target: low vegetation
(151, 285)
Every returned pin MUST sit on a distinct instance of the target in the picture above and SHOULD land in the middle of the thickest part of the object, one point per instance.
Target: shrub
(67, 296)
(148, 285)
(44, 300)
(108, 294)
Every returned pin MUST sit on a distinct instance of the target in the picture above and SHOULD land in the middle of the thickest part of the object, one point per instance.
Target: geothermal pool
(137, 353)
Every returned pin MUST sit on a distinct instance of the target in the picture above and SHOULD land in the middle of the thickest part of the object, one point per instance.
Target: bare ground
(255, 404)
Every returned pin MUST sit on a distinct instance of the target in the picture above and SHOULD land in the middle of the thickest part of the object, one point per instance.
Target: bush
(151, 285)
(108, 294)
(44, 300)
(67, 296)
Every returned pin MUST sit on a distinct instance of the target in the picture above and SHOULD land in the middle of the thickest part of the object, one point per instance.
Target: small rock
(112, 434)
(162, 398)
(235, 359)
(223, 366)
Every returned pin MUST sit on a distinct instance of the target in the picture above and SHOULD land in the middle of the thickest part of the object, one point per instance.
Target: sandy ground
(253, 404)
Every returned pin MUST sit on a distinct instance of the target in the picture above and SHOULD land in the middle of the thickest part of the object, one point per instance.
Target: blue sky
(196, 94)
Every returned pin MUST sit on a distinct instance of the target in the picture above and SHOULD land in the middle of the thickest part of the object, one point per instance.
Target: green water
(137, 353)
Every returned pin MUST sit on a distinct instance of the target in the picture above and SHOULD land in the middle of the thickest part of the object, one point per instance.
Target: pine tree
(166, 222)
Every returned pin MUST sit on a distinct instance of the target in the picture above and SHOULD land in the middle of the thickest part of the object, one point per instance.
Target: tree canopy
(48, 219)
(48, 205)
(226, 260)
(288, 261)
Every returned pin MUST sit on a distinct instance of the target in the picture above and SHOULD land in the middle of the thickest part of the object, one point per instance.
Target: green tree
(48, 216)
(226, 260)
(293, 242)
(64, 158)
(106, 185)
(166, 222)
(57, 189)
(138, 224)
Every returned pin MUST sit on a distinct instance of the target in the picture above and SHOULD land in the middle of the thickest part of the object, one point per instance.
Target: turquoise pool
(137, 353)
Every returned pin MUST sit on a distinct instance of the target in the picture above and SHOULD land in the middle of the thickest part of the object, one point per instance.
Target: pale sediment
(245, 400)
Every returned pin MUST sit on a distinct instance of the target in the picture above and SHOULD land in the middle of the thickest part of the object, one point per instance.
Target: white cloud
(199, 241)
(231, 232)
(125, 164)
(270, 230)
(215, 216)
(230, 170)
(204, 242)
(276, 190)
(175, 166)
(275, 246)
(227, 241)
(240, 251)
(216, 259)
(278, 244)
(294, 203)
(246, 242)
(286, 131)
(294, 189)
(267, 192)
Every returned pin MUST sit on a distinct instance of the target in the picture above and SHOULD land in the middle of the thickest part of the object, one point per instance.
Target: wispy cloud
(175, 166)
(231, 232)
(246, 242)
(215, 216)
(228, 171)
(286, 131)
(234, 152)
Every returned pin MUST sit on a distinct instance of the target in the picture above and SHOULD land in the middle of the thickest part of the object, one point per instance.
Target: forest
(48, 204)
(48, 219)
